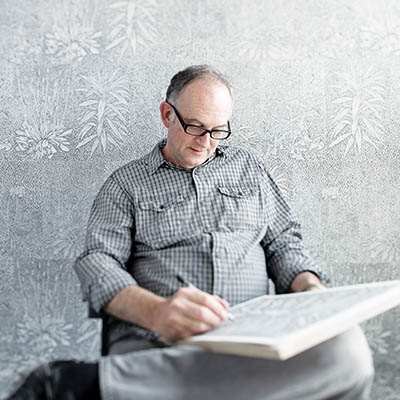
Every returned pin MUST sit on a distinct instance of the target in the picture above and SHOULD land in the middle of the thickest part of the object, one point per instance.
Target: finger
(183, 326)
(223, 302)
(193, 307)
(198, 313)
(192, 327)
(196, 309)
(188, 318)
(314, 286)
(211, 302)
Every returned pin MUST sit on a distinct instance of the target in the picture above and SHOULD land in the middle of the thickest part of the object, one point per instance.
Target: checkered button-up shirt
(223, 226)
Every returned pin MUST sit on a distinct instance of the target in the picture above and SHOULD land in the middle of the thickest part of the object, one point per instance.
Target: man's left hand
(306, 281)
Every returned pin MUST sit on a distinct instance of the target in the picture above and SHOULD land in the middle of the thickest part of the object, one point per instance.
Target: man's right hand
(188, 312)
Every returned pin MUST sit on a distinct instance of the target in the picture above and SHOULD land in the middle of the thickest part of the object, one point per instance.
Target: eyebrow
(190, 120)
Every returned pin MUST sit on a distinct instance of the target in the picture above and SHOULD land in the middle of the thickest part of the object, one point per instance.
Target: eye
(195, 130)
(220, 134)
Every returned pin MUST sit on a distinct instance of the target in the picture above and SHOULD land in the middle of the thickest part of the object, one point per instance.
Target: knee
(354, 363)
(355, 350)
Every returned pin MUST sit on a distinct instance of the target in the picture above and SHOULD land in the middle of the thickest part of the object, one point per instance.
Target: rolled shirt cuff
(101, 277)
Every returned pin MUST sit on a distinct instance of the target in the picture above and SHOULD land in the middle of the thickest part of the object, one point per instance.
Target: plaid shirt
(223, 226)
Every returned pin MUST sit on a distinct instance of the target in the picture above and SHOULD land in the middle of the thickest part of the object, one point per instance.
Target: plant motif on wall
(88, 336)
(5, 143)
(73, 34)
(359, 109)
(257, 43)
(47, 323)
(282, 182)
(71, 43)
(306, 138)
(65, 245)
(44, 101)
(45, 293)
(245, 136)
(106, 103)
(378, 336)
(5, 146)
(382, 32)
(43, 335)
(299, 140)
(6, 275)
(385, 249)
(134, 25)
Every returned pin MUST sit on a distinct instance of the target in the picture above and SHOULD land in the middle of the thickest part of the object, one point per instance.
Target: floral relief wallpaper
(316, 88)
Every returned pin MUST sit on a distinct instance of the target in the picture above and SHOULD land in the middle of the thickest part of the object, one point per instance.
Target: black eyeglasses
(195, 130)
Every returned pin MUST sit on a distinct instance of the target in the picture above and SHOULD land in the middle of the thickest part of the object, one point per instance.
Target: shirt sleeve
(101, 268)
(285, 254)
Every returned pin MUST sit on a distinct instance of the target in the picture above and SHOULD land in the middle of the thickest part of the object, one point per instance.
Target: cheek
(179, 141)
(213, 145)
(185, 142)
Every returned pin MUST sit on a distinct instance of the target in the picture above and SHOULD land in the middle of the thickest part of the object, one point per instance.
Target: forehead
(205, 96)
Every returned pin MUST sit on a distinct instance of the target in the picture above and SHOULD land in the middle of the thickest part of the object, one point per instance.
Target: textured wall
(316, 87)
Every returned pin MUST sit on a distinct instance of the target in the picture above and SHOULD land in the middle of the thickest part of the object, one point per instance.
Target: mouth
(197, 151)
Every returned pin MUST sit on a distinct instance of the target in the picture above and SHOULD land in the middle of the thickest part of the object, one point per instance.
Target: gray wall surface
(316, 88)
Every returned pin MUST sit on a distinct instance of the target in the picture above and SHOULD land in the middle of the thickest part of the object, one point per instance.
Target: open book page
(281, 326)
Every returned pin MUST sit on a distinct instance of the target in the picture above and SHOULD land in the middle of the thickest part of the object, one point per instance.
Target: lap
(187, 371)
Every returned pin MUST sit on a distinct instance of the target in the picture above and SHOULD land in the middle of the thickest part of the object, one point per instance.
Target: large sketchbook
(281, 326)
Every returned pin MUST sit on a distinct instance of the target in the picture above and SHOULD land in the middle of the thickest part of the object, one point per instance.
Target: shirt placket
(215, 247)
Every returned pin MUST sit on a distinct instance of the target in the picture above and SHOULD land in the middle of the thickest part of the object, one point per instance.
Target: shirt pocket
(158, 222)
(241, 206)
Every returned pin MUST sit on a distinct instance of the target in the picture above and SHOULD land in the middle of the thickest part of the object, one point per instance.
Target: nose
(204, 140)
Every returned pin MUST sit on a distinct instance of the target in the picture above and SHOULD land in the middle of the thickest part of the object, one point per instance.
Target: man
(212, 214)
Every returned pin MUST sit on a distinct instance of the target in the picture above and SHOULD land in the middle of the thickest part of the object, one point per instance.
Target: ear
(165, 113)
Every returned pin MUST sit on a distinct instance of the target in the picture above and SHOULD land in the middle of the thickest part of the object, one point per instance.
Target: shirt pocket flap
(237, 191)
(160, 205)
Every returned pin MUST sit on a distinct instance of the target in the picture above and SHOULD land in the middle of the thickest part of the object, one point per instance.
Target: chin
(196, 163)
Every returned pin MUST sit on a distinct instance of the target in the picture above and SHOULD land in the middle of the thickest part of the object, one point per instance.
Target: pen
(186, 283)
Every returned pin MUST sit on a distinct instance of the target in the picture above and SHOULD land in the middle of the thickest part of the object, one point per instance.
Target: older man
(210, 213)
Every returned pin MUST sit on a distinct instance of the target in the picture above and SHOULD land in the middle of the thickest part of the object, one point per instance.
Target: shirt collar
(156, 159)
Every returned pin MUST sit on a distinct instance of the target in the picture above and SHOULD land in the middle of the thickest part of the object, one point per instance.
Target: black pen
(186, 283)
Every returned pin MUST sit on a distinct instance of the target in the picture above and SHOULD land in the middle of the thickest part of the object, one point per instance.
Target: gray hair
(180, 80)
